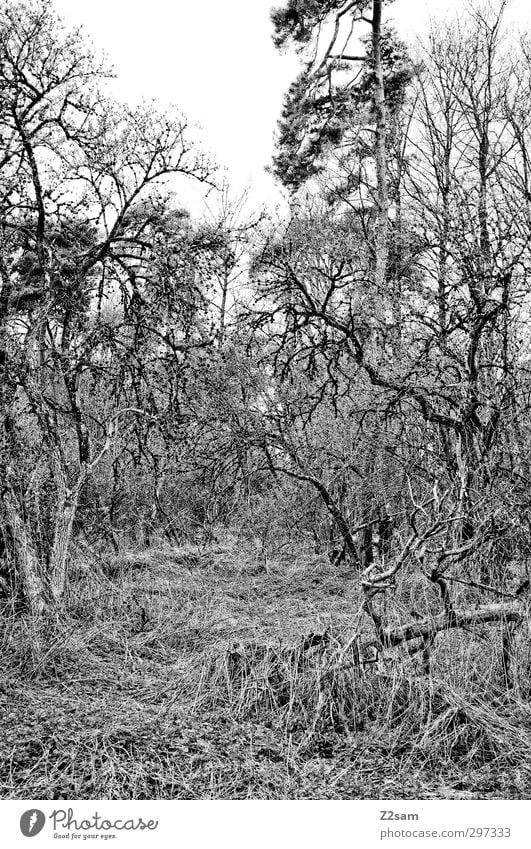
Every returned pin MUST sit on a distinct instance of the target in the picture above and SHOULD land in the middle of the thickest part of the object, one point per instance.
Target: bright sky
(216, 61)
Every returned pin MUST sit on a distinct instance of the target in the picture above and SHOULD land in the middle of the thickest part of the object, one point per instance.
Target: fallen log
(427, 629)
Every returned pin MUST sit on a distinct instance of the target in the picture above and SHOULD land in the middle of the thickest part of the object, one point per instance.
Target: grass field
(193, 673)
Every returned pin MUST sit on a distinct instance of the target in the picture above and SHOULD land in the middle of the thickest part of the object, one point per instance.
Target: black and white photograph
(265, 406)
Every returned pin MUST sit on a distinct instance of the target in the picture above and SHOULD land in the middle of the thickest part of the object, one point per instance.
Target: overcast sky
(215, 60)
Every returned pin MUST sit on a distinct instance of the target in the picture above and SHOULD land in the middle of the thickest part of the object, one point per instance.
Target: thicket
(342, 393)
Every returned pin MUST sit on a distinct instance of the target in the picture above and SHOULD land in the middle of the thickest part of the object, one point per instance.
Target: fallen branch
(427, 629)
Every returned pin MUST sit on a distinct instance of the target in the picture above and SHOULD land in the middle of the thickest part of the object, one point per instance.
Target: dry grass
(199, 673)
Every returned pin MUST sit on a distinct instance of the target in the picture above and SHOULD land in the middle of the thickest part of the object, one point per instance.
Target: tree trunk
(382, 232)
(64, 523)
(67, 503)
(429, 628)
(26, 558)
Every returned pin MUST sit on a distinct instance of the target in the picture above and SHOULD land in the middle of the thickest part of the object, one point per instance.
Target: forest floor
(183, 674)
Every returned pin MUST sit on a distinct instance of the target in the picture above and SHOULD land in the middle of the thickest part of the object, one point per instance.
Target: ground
(202, 672)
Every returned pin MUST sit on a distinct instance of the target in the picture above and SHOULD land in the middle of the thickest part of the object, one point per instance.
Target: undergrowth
(196, 673)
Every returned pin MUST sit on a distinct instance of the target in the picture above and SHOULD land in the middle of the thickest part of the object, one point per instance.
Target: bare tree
(443, 404)
(71, 159)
